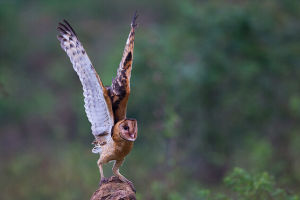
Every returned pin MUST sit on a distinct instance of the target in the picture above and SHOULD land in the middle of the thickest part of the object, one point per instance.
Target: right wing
(121, 84)
(97, 105)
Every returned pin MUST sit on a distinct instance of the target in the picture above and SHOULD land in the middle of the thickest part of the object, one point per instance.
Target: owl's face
(128, 129)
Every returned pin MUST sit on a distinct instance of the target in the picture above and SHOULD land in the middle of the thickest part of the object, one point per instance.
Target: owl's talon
(103, 181)
(125, 180)
(114, 178)
(131, 185)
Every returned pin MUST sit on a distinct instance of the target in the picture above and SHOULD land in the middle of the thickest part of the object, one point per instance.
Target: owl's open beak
(133, 134)
(129, 136)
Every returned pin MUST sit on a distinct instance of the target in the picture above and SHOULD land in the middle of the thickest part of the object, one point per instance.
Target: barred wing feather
(97, 103)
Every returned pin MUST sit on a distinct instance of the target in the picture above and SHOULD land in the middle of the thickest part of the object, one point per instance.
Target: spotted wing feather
(97, 102)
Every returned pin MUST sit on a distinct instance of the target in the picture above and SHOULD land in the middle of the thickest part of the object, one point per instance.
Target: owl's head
(126, 130)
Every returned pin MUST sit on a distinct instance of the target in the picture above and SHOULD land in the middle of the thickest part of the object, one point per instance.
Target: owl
(105, 107)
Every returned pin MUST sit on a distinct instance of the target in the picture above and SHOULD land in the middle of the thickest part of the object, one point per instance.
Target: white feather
(94, 102)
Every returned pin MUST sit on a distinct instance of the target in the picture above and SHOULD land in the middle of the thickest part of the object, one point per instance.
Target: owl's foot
(131, 185)
(103, 181)
(123, 179)
(114, 178)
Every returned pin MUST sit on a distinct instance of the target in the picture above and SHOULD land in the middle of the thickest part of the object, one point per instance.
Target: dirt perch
(114, 189)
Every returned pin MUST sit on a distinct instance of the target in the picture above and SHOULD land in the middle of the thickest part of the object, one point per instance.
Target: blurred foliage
(215, 84)
(259, 186)
(246, 186)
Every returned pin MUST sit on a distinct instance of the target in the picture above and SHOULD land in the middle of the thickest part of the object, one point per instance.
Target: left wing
(97, 105)
(120, 88)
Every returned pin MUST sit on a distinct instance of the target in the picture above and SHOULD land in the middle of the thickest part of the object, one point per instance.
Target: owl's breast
(123, 148)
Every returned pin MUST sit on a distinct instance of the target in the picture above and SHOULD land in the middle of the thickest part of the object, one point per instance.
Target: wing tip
(133, 21)
(69, 27)
(64, 28)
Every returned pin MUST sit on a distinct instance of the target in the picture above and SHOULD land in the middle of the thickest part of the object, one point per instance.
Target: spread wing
(97, 105)
(120, 88)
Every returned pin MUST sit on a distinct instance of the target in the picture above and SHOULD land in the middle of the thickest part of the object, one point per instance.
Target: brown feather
(120, 88)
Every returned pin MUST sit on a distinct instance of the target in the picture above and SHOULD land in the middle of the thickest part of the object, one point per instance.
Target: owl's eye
(126, 128)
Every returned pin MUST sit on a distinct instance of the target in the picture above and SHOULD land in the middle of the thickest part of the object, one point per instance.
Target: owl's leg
(116, 172)
(102, 178)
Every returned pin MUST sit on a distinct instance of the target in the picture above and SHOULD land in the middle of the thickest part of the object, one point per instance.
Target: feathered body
(105, 106)
(118, 148)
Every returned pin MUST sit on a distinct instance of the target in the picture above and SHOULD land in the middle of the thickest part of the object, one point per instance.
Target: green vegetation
(245, 186)
(261, 186)
(215, 85)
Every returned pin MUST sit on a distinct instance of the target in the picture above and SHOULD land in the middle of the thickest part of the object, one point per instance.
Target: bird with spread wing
(105, 106)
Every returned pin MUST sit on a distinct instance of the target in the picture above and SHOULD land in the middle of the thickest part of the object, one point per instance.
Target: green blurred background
(215, 85)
